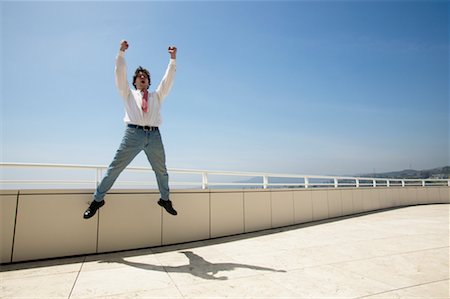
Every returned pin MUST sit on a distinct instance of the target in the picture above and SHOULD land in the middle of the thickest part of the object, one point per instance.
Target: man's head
(141, 78)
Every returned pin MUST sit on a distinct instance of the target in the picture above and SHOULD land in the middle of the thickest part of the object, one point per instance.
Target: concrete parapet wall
(39, 224)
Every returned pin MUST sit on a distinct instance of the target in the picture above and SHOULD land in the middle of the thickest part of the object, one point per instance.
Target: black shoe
(167, 204)
(95, 205)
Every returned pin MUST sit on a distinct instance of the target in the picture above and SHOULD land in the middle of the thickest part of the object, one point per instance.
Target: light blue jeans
(134, 141)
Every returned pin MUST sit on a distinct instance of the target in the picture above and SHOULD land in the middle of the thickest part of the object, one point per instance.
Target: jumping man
(142, 117)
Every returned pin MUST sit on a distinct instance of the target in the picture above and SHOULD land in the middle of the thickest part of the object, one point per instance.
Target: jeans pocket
(131, 135)
(130, 131)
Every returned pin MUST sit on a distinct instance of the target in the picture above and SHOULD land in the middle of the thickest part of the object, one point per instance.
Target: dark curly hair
(145, 71)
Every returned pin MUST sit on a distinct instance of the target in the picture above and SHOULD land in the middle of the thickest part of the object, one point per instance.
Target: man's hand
(173, 52)
(123, 45)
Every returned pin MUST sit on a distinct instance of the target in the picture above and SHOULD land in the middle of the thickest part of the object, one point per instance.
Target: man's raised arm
(166, 83)
(121, 71)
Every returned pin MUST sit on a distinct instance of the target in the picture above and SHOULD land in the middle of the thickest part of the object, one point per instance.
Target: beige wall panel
(395, 193)
(366, 200)
(302, 206)
(227, 214)
(282, 208)
(371, 200)
(390, 195)
(375, 199)
(444, 193)
(129, 221)
(192, 221)
(7, 220)
(382, 193)
(334, 203)
(320, 204)
(411, 195)
(422, 195)
(257, 211)
(358, 201)
(347, 202)
(53, 226)
(403, 196)
(433, 195)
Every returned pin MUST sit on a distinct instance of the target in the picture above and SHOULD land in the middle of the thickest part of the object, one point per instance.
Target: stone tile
(248, 287)
(44, 286)
(136, 277)
(433, 290)
(275, 261)
(391, 246)
(40, 268)
(404, 270)
(327, 282)
(118, 260)
(167, 292)
(206, 250)
(243, 247)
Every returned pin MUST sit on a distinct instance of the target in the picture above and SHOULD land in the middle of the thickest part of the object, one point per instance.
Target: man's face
(141, 81)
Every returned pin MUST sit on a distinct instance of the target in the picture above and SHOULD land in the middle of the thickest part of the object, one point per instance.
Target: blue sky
(313, 87)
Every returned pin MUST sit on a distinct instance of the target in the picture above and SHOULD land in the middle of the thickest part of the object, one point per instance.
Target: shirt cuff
(121, 53)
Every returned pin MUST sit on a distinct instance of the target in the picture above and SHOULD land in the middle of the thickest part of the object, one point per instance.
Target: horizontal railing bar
(178, 170)
(307, 180)
(288, 184)
(234, 184)
(45, 182)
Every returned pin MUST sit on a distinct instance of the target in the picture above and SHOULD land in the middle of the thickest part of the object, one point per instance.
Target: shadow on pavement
(197, 266)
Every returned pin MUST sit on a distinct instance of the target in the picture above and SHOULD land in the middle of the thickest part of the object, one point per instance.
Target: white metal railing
(305, 181)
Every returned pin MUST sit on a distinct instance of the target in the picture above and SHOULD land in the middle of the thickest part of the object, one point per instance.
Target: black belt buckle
(147, 128)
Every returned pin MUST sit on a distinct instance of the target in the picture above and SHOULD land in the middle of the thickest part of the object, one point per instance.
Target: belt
(145, 128)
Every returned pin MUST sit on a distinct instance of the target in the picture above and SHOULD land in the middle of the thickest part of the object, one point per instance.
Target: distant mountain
(435, 173)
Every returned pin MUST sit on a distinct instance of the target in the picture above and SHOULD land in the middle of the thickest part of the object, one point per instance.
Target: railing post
(448, 183)
(374, 183)
(423, 183)
(336, 184)
(204, 180)
(306, 183)
(388, 183)
(357, 183)
(403, 183)
(265, 181)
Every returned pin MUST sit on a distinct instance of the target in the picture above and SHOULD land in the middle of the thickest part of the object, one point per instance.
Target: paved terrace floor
(397, 253)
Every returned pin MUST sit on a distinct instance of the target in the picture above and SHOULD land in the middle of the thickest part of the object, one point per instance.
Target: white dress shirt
(133, 98)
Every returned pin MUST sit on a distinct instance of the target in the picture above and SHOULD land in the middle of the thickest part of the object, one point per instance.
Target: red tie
(145, 101)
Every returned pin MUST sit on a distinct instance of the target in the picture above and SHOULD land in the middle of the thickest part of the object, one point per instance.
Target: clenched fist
(173, 52)
(123, 45)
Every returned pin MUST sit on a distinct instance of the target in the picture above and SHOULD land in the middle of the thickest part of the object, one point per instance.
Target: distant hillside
(435, 173)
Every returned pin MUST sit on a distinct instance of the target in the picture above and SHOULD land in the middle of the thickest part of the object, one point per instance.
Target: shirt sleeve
(166, 83)
(121, 76)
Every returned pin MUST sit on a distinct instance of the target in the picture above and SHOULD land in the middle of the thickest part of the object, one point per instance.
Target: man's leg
(132, 144)
(157, 158)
